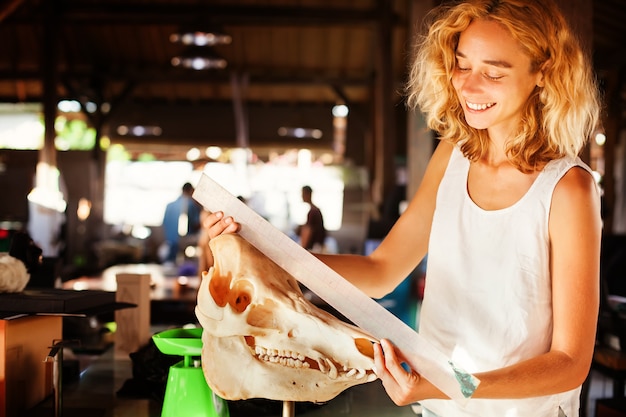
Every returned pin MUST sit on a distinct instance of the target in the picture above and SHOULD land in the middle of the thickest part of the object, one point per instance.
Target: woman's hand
(403, 387)
(216, 224)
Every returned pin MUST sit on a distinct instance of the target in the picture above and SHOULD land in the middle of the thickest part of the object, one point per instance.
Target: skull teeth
(293, 359)
(327, 367)
(282, 357)
(354, 372)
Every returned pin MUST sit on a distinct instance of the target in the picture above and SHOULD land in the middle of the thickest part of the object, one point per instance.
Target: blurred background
(108, 107)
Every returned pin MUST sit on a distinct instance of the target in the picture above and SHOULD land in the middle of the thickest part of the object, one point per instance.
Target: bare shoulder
(576, 200)
(439, 160)
(442, 152)
(576, 185)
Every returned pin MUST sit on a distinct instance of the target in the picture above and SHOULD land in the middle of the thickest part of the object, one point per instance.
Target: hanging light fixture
(200, 38)
(202, 34)
(199, 58)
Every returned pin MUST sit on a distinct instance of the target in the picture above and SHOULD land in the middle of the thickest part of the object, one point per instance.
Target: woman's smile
(478, 107)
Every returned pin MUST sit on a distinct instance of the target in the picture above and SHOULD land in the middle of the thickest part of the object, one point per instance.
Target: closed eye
(493, 77)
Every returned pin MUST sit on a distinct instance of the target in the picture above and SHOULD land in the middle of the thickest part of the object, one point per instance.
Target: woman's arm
(575, 232)
(406, 244)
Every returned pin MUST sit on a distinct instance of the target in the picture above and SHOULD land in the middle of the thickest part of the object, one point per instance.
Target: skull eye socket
(240, 295)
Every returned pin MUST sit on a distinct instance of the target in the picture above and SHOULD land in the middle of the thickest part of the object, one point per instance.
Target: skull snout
(238, 297)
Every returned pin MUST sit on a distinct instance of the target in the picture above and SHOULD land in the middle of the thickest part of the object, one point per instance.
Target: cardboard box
(25, 377)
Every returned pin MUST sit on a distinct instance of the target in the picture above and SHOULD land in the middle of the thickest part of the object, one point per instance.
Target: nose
(470, 83)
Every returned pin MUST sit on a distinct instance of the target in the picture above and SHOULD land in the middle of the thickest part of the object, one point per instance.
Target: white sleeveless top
(487, 301)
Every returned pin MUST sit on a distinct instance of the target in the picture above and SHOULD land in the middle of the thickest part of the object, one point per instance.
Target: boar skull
(263, 339)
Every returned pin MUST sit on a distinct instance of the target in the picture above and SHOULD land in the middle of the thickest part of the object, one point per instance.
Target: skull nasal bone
(240, 295)
(219, 288)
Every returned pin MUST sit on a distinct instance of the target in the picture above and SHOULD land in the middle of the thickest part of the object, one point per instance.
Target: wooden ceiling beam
(74, 12)
(174, 75)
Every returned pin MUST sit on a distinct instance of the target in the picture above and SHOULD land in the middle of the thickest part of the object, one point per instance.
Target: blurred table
(172, 297)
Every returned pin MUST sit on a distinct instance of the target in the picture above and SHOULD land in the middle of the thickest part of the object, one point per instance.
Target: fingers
(216, 224)
(379, 360)
(401, 384)
(393, 358)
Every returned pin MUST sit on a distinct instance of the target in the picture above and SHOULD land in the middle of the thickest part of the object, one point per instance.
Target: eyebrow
(493, 62)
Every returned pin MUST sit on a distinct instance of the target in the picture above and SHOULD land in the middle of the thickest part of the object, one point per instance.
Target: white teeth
(475, 106)
(297, 360)
(333, 370)
(321, 363)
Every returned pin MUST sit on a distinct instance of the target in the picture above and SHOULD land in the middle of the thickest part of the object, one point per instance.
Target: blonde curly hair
(558, 119)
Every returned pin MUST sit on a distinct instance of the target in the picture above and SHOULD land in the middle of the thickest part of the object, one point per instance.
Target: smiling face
(492, 78)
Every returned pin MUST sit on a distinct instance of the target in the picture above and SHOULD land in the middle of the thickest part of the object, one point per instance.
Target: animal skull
(263, 339)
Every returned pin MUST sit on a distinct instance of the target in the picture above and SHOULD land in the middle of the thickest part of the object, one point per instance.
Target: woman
(508, 214)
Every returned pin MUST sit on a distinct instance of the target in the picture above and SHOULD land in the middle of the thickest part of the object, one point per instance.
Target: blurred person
(181, 218)
(312, 234)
